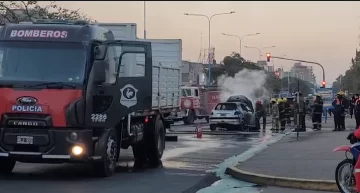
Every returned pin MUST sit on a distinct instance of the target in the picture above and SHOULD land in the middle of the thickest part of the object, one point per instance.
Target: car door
(122, 93)
(249, 117)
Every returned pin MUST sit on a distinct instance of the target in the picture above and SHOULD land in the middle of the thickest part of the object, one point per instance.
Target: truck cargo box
(167, 58)
(121, 31)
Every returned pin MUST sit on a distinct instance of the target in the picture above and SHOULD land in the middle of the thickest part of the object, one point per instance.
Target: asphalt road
(185, 166)
(286, 190)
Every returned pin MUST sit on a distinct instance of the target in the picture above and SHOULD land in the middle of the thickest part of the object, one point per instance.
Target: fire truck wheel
(107, 165)
(6, 166)
(212, 127)
(155, 142)
(190, 118)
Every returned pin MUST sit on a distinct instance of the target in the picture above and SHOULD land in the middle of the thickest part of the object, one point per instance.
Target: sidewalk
(310, 160)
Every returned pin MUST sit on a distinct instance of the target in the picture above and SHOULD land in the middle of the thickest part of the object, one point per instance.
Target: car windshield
(42, 61)
(226, 106)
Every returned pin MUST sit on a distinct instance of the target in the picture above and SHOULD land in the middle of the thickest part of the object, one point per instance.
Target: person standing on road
(287, 110)
(300, 108)
(275, 115)
(282, 114)
(317, 112)
(357, 110)
(339, 112)
(352, 105)
(260, 113)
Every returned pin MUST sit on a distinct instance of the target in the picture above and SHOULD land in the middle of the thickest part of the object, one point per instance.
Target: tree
(18, 11)
(231, 65)
(235, 63)
(305, 87)
(350, 80)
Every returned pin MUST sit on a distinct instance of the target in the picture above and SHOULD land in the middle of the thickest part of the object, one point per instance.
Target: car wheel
(212, 127)
(6, 165)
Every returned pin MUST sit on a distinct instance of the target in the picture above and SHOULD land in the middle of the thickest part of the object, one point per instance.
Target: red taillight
(146, 120)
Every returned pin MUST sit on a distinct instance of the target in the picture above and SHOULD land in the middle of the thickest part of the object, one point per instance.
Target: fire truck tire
(155, 142)
(6, 166)
(107, 165)
(212, 127)
(190, 118)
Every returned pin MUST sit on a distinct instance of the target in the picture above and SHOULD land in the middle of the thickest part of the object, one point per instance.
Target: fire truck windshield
(42, 61)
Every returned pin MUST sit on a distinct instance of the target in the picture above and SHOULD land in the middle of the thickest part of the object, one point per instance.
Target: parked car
(233, 116)
(242, 99)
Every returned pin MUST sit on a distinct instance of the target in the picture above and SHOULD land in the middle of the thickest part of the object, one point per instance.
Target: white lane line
(229, 185)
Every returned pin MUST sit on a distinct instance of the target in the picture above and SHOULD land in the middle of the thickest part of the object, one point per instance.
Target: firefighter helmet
(341, 93)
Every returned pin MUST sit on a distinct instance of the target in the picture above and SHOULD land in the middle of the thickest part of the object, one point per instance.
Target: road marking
(227, 184)
(192, 146)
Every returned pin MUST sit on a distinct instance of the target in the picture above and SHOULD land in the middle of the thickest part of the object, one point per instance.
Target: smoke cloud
(250, 83)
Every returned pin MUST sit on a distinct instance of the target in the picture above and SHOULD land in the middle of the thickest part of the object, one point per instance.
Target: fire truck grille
(25, 131)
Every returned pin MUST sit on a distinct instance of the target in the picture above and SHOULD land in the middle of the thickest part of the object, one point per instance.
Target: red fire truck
(196, 103)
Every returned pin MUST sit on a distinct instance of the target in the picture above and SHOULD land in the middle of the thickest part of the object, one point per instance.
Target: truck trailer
(71, 92)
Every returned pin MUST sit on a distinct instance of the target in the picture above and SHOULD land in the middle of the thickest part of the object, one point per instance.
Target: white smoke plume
(250, 83)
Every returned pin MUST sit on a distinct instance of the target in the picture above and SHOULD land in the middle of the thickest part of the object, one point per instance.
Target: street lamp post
(240, 38)
(209, 20)
(144, 19)
(260, 49)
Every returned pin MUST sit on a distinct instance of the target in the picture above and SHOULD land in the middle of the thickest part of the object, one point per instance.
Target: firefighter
(339, 112)
(301, 110)
(260, 113)
(282, 114)
(317, 110)
(357, 110)
(352, 105)
(288, 110)
(275, 115)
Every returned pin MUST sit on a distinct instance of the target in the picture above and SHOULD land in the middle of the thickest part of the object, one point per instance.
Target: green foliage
(350, 81)
(305, 87)
(235, 63)
(32, 10)
(232, 65)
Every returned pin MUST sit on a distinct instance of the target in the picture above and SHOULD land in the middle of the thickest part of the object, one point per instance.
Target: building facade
(192, 73)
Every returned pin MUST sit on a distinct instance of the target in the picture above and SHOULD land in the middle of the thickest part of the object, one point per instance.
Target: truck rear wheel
(190, 118)
(6, 166)
(212, 127)
(107, 165)
(155, 141)
(151, 148)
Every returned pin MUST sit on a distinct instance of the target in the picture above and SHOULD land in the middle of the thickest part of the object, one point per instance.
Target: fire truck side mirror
(99, 52)
(99, 73)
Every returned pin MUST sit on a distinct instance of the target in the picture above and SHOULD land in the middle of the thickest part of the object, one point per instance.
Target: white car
(233, 116)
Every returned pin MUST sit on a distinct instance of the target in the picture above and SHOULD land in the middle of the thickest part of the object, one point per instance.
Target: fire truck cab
(63, 97)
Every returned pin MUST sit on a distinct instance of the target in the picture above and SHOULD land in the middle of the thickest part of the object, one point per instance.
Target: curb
(295, 183)
(211, 133)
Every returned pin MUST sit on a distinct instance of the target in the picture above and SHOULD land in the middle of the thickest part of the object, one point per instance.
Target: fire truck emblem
(187, 103)
(128, 95)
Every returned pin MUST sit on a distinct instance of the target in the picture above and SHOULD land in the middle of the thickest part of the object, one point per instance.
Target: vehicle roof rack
(60, 21)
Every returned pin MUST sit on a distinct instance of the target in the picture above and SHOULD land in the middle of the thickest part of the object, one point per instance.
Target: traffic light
(268, 57)
(323, 83)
